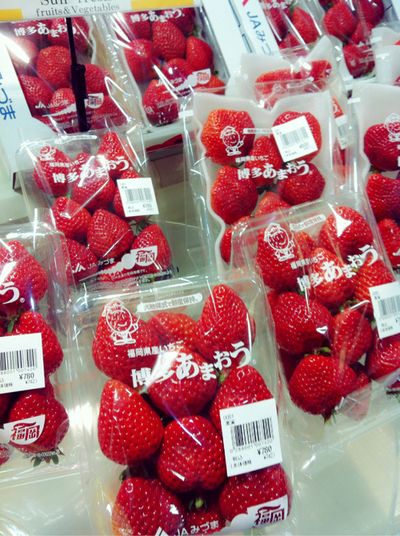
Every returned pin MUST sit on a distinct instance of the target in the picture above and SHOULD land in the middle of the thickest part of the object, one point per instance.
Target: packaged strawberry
(101, 197)
(241, 156)
(386, 46)
(40, 75)
(332, 298)
(295, 26)
(350, 23)
(36, 440)
(168, 53)
(182, 394)
(378, 115)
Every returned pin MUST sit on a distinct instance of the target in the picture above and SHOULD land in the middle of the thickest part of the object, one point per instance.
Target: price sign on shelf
(44, 9)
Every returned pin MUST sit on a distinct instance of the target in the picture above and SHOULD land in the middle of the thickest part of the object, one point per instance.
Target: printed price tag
(251, 437)
(343, 137)
(386, 304)
(138, 197)
(294, 139)
(21, 363)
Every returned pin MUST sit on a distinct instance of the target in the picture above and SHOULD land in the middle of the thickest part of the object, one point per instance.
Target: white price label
(294, 139)
(251, 437)
(138, 197)
(343, 135)
(21, 363)
(386, 304)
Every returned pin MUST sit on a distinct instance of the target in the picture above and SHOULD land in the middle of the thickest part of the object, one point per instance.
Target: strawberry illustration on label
(232, 140)
(279, 240)
(120, 322)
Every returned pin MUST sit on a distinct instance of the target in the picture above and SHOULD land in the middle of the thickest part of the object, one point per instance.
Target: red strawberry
(252, 489)
(96, 79)
(5, 400)
(58, 33)
(153, 236)
(37, 94)
(357, 404)
(278, 18)
(177, 72)
(174, 328)
(382, 152)
(23, 53)
(168, 41)
(95, 189)
(232, 198)
(269, 86)
(345, 232)
(138, 497)
(54, 66)
(199, 54)
(223, 323)
(23, 282)
(352, 335)
(71, 218)
(244, 385)
(160, 104)
(117, 324)
(5, 453)
(301, 325)
(225, 245)
(129, 430)
(312, 123)
(184, 20)
(138, 29)
(176, 393)
(319, 383)
(63, 105)
(41, 402)
(277, 269)
(264, 161)
(370, 10)
(384, 196)
(108, 235)
(205, 517)
(30, 322)
(292, 41)
(335, 285)
(215, 85)
(359, 60)
(114, 151)
(302, 186)
(51, 171)
(270, 202)
(384, 359)
(315, 71)
(192, 455)
(390, 233)
(223, 135)
(340, 21)
(371, 275)
(108, 114)
(83, 261)
(141, 59)
(362, 33)
(305, 25)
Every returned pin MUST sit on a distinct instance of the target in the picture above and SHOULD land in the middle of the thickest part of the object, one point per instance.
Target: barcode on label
(386, 304)
(294, 139)
(252, 433)
(18, 359)
(341, 123)
(389, 306)
(135, 196)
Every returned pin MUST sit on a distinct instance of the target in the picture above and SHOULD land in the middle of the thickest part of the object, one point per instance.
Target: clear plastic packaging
(386, 41)
(377, 109)
(236, 151)
(41, 57)
(174, 357)
(167, 53)
(38, 428)
(102, 198)
(332, 298)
